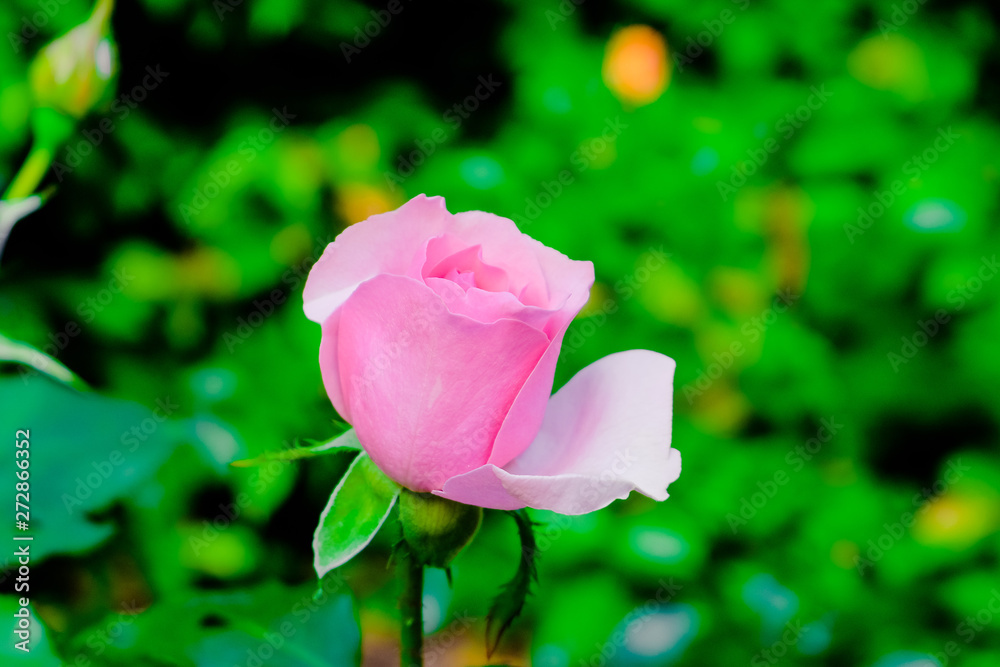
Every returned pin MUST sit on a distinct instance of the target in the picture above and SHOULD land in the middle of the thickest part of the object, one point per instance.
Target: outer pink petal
(427, 389)
(329, 365)
(521, 425)
(605, 434)
(386, 243)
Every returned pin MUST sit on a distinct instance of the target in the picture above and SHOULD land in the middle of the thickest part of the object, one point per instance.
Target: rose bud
(440, 335)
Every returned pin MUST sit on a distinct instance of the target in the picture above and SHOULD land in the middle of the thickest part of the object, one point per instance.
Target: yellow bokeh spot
(359, 201)
(208, 271)
(737, 291)
(225, 551)
(787, 215)
(839, 472)
(300, 170)
(598, 152)
(844, 554)
(707, 125)
(358, 147)
(598, 301)
(290, 243)
(152, 273)
(636, 68)
(723, 349)
(891, 63)
(670, 295)
(958, 519)
(721, 409)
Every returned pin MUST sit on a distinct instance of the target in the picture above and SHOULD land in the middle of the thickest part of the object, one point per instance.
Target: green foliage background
(832, 367)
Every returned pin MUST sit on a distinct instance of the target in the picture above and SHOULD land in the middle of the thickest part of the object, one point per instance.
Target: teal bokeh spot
(705, 161)
(557, 100)
(482, 172)
(935, 215)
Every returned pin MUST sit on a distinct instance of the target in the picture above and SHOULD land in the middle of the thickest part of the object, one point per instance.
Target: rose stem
(411, 608)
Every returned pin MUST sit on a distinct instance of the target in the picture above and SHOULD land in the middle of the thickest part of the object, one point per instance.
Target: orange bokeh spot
(635, 65)
(358, 201)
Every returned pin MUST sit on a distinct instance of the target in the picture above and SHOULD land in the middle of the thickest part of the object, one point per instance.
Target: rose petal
(487, 307)
(469, 261)
(427, 389)
(539, 275)
(605, 434)
(384, 243)
(329, 365)
(526, 413)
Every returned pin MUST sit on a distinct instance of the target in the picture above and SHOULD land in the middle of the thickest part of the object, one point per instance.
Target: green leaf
(85, 452)
(22, 353)
(12, 210)
(344, 442)
(40, 651)
(270, 624)
(510, 601)
(357, 509)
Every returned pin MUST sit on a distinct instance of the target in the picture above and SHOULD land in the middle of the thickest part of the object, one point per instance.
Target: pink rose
(439, 345)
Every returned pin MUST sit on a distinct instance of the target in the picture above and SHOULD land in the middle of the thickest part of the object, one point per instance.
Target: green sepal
(356, 510)
(436, 529)
(345, 442)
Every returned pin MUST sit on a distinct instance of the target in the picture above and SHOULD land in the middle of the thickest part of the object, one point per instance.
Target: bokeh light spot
(635, 65)
(359, 201)
(935, 215)
(557, 100)
(481, 172)
(705, 161)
